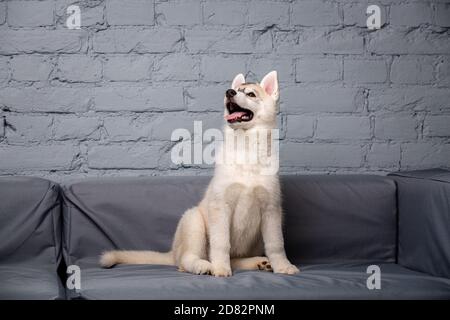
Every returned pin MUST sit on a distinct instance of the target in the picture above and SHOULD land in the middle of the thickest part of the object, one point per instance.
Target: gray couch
(335, 227)
(30, 239)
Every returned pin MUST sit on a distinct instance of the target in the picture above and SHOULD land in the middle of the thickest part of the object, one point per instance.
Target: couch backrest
(328, 218)
(424, 220)
(29, 221)
(125, 213)
(340, 217)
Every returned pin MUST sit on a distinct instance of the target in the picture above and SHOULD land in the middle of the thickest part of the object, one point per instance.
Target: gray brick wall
(105, 99)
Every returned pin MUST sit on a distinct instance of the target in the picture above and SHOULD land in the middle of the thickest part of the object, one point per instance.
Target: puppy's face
(251, 104)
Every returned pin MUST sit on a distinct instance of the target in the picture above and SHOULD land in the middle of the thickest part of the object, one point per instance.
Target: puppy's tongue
(234, 116)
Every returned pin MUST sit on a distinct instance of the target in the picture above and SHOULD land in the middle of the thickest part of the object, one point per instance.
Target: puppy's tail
(111, 258)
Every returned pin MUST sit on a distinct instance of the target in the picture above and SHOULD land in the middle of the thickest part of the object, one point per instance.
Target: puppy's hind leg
(253, 263)
(192, 251)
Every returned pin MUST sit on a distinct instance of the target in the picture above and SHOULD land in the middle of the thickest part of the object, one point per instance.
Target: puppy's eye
(251, 94)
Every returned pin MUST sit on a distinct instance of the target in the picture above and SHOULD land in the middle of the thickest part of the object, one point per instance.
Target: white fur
(240, 216)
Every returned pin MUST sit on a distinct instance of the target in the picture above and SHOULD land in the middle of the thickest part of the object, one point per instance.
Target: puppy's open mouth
(237, 114)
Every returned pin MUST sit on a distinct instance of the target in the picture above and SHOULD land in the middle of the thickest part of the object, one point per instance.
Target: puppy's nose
(230, 93)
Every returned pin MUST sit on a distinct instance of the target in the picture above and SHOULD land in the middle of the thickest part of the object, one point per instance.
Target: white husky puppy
(238, 224)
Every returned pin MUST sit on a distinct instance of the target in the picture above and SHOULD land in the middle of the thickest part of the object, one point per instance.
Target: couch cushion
(30, 238)
(424, 220)
(324, 281)
(328, 218)
(29, 282)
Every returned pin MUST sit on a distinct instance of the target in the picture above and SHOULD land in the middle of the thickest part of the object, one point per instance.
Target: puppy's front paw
(221, 271)
(286, 269)
(202, 267)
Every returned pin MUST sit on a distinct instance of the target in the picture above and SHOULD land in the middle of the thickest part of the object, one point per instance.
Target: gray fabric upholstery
(321, 281)
(339, 218)
(328, 218)
(335, 226)
(424, 220)
(125, 213)
(26, 281)
(30, 239)
(431, 174)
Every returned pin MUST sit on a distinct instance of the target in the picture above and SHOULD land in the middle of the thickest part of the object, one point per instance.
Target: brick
(258, 67)
(79, 68)
(311, 41)
(93, 15)
(127, 68)
(407, 70)
(4, 69)
(416, 99)
(242, 41)
(136, 40)
(176, 67)
(25, 128)
(320, 155)
(92, 12)
(318, 70)
(179, 13)
(443, 14)
(130, 12)
(30, 13)
(443, 72)
(230, 13)
(46, 99)
(31, 68)
(127, 128)
(417, 41)
(437, 126)
(54, 157)
(43, 41)
(355, 14)
(315, 13)
(344, 106)
(205, 98)
(2, 12)
(410, 14)
(396, 127)
(164, 125)
(136, 156)
(365, 71)
(384, 155)
(300, 127)
(282, 125)
(199, 40)
(71, 127)
(139, 99)
(321, 99)
(268, 13)
(343, 128)
(425, 155)
(217, 68)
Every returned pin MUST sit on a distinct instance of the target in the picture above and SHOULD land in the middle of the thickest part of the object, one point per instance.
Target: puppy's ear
(270, 84)
(238, 80)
